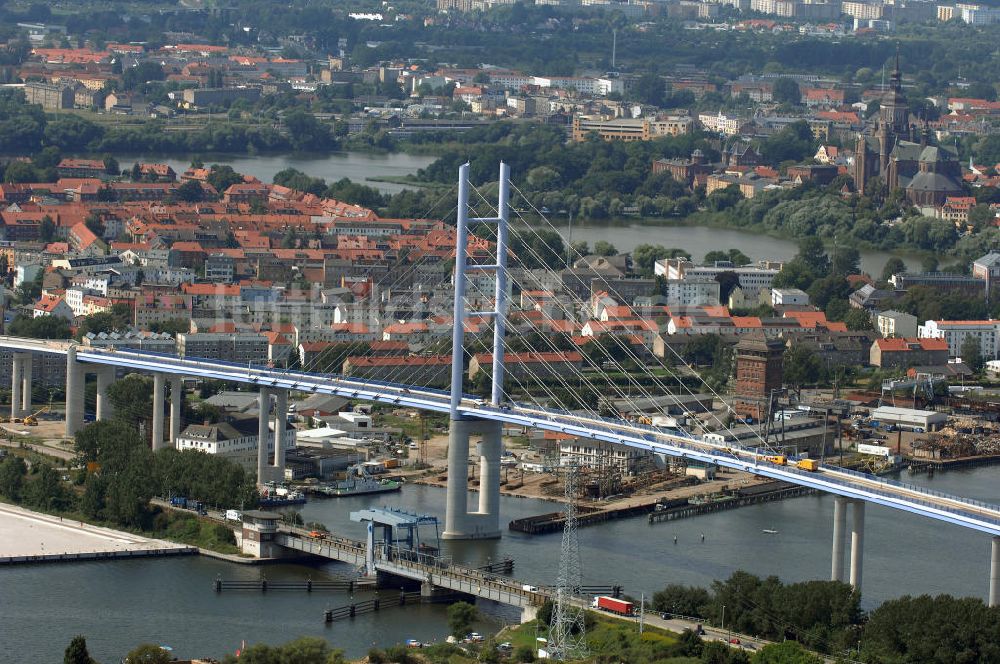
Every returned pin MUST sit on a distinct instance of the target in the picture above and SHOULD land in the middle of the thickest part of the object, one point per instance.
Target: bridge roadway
(431, 571)
(849, 484)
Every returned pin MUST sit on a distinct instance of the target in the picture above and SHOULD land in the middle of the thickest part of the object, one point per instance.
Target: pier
(760, 493)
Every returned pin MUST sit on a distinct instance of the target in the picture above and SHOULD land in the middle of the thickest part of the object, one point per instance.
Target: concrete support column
(857, 541)
(280, 422)
(458, 522)
(995, 573)
(16, 384)
(839, 526)
(74, 393)
(263, 431)
(176, 399)
(26, 386)
(159, 383)
(457, 497)
(489, 476)
(105, 376)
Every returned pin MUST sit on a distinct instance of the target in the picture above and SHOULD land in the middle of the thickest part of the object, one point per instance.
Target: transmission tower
(566, 635)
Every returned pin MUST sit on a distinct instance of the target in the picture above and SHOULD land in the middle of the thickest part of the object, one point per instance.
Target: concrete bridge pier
(280, 422)
(529, 613)
(263, 432)
(459, 523)
(159, 383)
(20, 388)
(994, 599)
(74, 393)
(839, 526)
(105, 376)
(857, 541)
(176, 400)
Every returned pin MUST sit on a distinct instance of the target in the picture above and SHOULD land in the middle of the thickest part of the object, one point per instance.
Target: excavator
(32, 420)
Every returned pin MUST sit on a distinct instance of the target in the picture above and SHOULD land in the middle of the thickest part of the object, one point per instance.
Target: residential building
(627, 129)
(535, 366)
(239, 347)
(751, 279)
(903, 353)
(236, 439)
(955, 332)
(893, 323)
(49, 96)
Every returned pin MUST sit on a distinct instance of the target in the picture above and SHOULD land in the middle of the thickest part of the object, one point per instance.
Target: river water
(699, 240)
(362, 166)
(171, 601)
(358, 166)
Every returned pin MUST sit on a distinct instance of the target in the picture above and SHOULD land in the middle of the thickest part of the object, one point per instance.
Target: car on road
(735, 641)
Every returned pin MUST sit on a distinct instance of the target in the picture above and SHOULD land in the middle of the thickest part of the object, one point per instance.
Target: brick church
(903, 156)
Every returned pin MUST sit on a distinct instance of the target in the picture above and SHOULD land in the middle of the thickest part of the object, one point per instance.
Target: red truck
(619, 606)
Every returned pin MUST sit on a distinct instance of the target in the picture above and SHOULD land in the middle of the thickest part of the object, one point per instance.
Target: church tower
(894, 113)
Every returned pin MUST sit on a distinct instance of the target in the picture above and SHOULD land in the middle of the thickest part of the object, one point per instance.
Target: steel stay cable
(626, 397)
(662, 365)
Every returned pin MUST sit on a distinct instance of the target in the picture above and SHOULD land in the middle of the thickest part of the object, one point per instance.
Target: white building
(955, 332)
(693, 292)
(235, 440)
(788, 296)
(752, 279)
(596, 454)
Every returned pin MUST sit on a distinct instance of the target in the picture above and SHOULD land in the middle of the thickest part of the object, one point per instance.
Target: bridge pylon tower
(483, 523)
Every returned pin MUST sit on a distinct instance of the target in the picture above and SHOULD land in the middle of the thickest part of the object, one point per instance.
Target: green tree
(148, 653)
(461, 616)
(45, 490)
(222, 177)
(786, 91)
(894, 265)
(644, 257)
(897, 631)
(650, 89)
(12, 472)
(846, 260)
(858, 320)
(788, 652)
(132, 399)
(681, 600)
(972, 353)
(76, 652)
(604, 248)
(189, 191)
(703, 349)
(46, 229)
(802, 367)
(40, 327)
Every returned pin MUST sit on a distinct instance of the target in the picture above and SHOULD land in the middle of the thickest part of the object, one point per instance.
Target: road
(951, 509)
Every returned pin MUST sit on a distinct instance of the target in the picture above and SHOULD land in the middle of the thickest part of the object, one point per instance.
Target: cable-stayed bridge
(474, 416)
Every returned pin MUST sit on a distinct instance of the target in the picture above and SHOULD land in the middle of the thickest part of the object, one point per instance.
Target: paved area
(27, 533)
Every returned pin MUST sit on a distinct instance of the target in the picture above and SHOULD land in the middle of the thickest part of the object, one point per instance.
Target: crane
(32, 420)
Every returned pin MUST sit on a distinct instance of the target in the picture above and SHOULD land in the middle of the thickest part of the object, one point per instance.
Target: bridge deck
(418, 567)
(956, 510)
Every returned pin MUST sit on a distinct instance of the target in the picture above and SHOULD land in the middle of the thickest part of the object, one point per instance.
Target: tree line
(826, 616)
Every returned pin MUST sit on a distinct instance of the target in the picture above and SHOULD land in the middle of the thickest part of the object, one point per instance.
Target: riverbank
(32, 537)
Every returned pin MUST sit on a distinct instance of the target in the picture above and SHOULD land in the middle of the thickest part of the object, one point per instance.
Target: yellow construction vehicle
(777, 460)
(32, 420)
(811, 465)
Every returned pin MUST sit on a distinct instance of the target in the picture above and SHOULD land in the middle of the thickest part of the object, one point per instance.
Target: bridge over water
(471, 416)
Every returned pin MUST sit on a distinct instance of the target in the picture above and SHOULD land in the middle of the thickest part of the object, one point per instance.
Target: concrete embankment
(32, 537)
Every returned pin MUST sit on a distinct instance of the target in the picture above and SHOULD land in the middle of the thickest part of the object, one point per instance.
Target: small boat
(769, 531)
